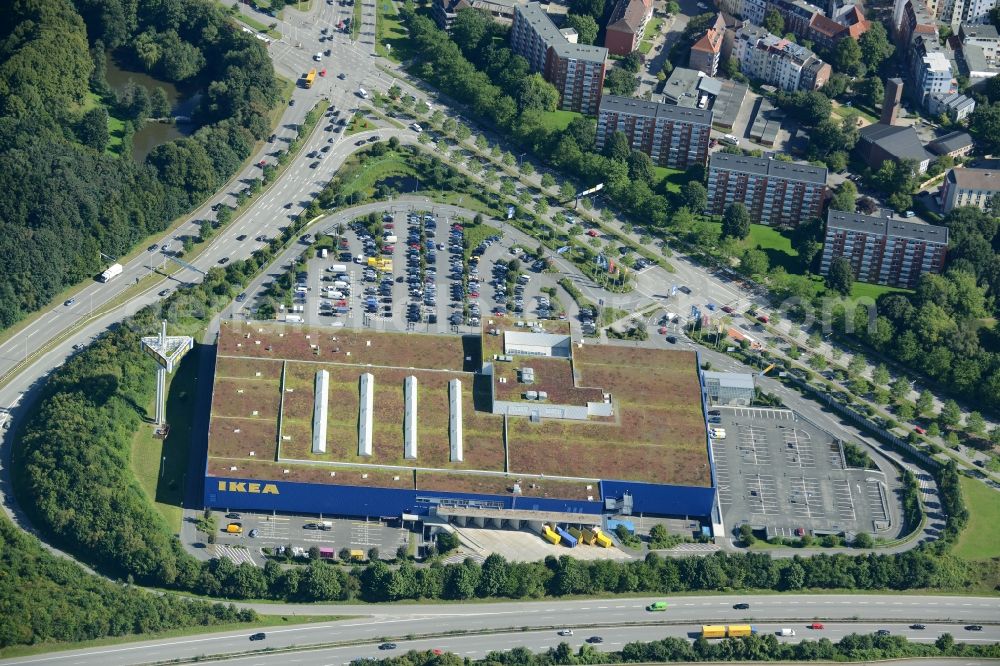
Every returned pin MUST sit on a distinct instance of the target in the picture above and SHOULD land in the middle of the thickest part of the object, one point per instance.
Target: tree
(925, 402)
(841, 276)
(871, 90)
(774, 23)
(537, 94)
(621, 82)
(93, 129)
(694, 196)
(446, 541)
(880, 375)
(159, 104)
(875, 46)
(566, 191)
(632, 62)
(863, 540)
(975, 423)
(951, 414)
(984, 124)
(736, 221)
(847, 58)
(806, 240)
(373, 554)
(836, 85)
(754, 262)
(856, 366)
(843, 198)
(585, 26)
(640, 167)
(344, 554)
(541, 206)
(900, 388)
(746, 535)
(547, 180)
(594, 8)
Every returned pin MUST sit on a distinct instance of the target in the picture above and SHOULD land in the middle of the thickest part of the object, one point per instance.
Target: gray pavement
(840, 615)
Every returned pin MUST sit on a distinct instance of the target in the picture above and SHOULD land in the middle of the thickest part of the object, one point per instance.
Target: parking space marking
(761, 413)
(843, 499)
(798, 451)
(875, 500)
(805, 498)
(834, 456)
(721, 472)
(753, 445)
(761, 495)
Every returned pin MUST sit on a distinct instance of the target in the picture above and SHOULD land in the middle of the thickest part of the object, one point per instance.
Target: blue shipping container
(567, 538)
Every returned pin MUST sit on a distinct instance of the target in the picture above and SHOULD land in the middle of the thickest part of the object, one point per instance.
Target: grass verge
(356, 21)
(359, 124)
(390, 35)
(265, 621)
(873, 291)
(978, 540)
(158, 464)
(557, 120)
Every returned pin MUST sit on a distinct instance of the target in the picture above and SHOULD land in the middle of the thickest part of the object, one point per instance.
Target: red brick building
(625, 26)
(673, 136)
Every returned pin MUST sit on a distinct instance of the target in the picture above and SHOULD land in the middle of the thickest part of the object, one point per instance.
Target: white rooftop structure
(365, 407)
(455, 419)
(322, 394)
(536, 344)
(410, 418)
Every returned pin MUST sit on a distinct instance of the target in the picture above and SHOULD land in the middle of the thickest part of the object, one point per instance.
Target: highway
(506, 621)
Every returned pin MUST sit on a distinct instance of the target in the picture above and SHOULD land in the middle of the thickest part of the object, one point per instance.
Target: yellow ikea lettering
(244, 487)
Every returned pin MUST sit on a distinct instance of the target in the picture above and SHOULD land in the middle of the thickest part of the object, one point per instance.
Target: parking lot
(780, 474)
(304, 532)
(408, 270)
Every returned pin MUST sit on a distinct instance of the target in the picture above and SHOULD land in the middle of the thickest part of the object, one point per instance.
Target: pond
(153, 134)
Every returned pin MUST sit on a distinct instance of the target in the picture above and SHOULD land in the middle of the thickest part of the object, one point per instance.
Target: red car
(919, 430)
(262, 163)
(436, 651)
(457, 227)
(816, 625)
(727, 308)
(763, 319)
(388, 225)
(592, 233)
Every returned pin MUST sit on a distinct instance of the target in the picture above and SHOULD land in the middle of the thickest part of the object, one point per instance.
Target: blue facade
(316, 498)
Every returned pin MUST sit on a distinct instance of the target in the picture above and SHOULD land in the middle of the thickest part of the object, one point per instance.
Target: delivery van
(786, 632)
(234, 528)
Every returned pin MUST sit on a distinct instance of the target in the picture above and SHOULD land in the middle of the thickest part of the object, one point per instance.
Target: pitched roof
(949, 142)
(825, 26)
(628, 15)
(900, 142)
(975, 179)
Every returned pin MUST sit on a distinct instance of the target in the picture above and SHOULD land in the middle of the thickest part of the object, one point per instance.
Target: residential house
(969, 187)
(706, 53)
(626, 24)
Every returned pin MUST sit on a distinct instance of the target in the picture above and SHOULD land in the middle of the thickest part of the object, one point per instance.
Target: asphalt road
(863, 614)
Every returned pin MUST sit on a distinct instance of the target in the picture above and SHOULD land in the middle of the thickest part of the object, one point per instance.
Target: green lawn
(674, 178)
(652, 28)
(844, 111)
(978, 540)
(356, 21)
(775, 245)
(645, 47)
(258, 26)
(873, 291)
(358, 124)
(475, 234)
(374, 170)
(160, 465)
(558, 120)
(390, 35)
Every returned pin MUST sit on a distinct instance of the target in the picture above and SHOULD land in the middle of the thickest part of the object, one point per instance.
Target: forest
(64, 199)
(44, 598)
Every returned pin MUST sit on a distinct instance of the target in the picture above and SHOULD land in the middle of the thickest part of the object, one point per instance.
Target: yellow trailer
(550, 536)
(739, 630)
(357, 554)
(602, 539)
(713, 631)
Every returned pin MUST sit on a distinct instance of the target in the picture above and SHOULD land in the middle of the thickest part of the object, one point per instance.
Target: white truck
(338, 268)
(113, 271)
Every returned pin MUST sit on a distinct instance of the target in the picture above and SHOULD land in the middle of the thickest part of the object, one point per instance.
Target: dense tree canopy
(63, 200)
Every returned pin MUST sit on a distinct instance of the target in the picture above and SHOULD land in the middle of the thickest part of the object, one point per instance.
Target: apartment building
(673, 136)
(776, 193)
(445, 12)
(626, 24)
(882, 249)
(778, 61)
(969, 187)
(972, 12)
(707, 51)
(930, 70)
(576, 70)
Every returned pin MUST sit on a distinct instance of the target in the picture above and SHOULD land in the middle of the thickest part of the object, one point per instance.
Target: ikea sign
(245, 487)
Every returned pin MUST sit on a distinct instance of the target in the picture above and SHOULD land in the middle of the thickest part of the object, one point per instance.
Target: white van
(337, 268)
(293, 319)
(318, 56)
(786, 632)
(416, 128)
(362, 93)
(326, 525)
(717, 433)
(730, 139)
(339, 284)
(301, 290)
(390, 240)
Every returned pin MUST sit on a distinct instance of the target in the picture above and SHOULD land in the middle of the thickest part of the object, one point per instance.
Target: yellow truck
(357, 554)
(234, 528)
(310, 77)
(380, 264)
(550, 536)
(736, 630)
(602, 539)
(713, 631)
